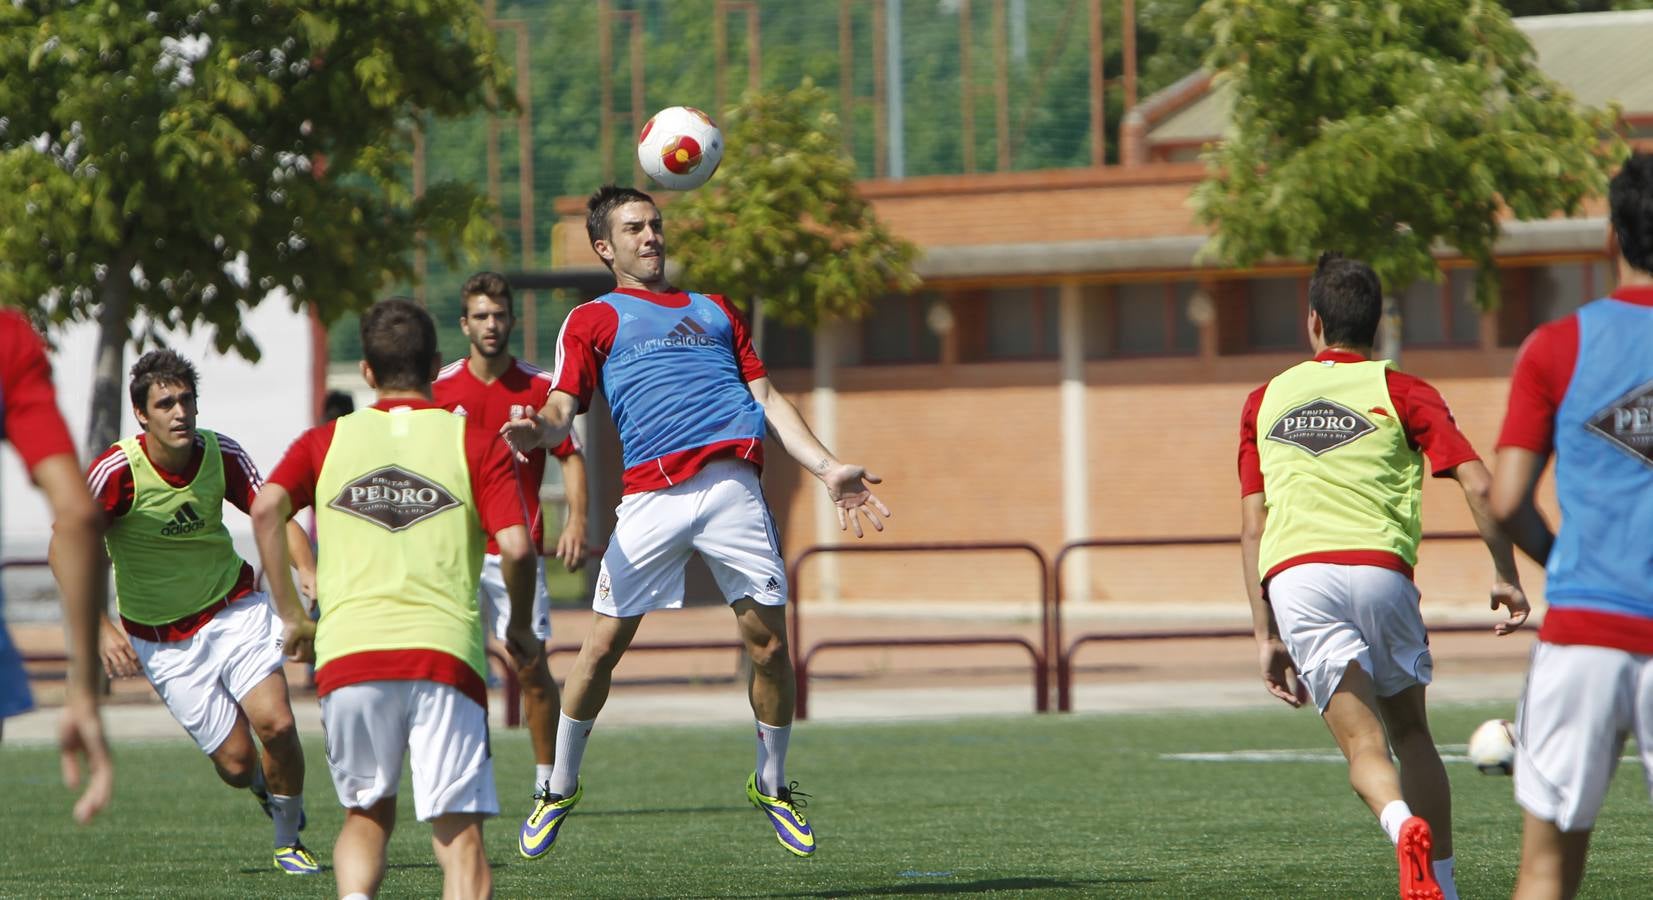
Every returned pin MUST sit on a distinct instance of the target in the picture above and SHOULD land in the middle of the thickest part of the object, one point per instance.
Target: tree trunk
(1389, 331)
(109, 370)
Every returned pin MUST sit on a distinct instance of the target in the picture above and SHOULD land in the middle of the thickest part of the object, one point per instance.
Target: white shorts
(1332, 615)
(203, 677)
(719, 512)
(1579, 705)
(369, 726)
(496, 603)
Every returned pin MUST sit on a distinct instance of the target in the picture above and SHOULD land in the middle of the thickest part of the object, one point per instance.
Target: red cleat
(1417, 874)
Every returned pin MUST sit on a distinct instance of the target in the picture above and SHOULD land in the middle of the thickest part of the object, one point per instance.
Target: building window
(1141, 319)
(787, 346)
(1022, 322)
(1275, 311)
(1441, 314)
(896, 332)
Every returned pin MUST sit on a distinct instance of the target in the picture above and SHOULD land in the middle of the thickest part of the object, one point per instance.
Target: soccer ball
(680, 147)
(1492, 747)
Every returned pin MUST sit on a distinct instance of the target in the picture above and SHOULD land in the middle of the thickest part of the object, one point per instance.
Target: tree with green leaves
(187, 161)
(1386, 129)
(783, 221)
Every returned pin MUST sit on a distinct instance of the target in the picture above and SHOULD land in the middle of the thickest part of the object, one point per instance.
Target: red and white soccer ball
(1492, 747)
(680, 147)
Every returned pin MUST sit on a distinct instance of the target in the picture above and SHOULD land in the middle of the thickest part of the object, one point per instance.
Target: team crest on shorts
(393, 498)
(1320, 425)
(604, 589)
(1628, 423)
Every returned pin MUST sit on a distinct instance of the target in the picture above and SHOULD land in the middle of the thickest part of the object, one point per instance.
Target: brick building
(1070, 370)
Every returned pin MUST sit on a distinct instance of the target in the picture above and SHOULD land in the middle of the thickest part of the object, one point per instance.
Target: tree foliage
(186, 161)
(1382, 129)
(782, 221)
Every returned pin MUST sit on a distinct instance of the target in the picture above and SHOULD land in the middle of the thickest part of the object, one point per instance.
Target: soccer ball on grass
(680, 147)
(1492, 747)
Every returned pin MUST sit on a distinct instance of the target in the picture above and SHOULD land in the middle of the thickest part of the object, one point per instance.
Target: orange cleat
(1417, 874)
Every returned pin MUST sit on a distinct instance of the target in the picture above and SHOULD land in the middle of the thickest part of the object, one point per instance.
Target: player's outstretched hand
(298, 640)
(119, 659)
(80, 734)
(524, 646)
(1280, 673)
(847, 486)
(523, 431)
(1511, 596)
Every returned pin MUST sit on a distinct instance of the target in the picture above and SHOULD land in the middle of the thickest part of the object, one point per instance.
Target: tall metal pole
(605, 87)
(846, 76)
(1129, 14)
(880, 91)
(967, 94)
(896, 108)
(1099, 125)
(720, 52)
(525, 189)
(420, 268)
(1001, 87)
(637, 99)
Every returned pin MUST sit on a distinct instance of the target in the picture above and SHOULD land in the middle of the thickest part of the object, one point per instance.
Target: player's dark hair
(1630, 199)
(336, 404)
(399, 344)
(159, 367)
(602, 204)
(1349, 298)
(489, 284)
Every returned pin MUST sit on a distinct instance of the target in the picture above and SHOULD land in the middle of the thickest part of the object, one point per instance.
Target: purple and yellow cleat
(296, 860)
(540, 829)
(791, 828)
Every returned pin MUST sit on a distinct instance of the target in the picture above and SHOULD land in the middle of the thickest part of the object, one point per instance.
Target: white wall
(264, 406)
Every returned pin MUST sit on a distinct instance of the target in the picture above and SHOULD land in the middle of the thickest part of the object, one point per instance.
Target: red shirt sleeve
(300, 468)
(1429, 424)
(28, 402)
(109, 478)
(499, 504)
(1543, 369)
(1251, 466)
(241, 479)
(583, 345)
(751, 368)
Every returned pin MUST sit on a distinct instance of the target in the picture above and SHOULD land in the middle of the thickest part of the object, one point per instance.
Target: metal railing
(802, 659)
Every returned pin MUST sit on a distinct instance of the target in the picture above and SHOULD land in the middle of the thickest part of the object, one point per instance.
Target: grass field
(1027, 806)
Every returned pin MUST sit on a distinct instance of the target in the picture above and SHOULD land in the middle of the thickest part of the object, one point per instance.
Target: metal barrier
(1064, 655)
(802, 659)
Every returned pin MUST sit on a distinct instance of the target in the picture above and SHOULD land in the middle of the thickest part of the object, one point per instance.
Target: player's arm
(1476, 481)
(270, 515)
(571, 543)
(304, 559)
(76, 557)
(846, 484)
(1279, 672)
(1514, 486)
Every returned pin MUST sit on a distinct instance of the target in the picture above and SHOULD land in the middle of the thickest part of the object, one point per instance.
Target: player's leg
(771, 685)
(453, 782)
(366, 727)
(245, 638)
(1423, 780)
(1552, 861)
(457, 840)
(359, 852)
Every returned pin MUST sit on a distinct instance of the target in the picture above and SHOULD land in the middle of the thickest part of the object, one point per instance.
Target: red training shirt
(29, 417)
(1429, 427)
(498, 507)
(583, 347)
(486, 406)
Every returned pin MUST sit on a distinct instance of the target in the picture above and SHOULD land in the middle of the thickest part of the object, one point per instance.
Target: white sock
(771, 766)
(542, 774)
(571, 737)
(1445, 872)
(286, 812)
(1393, 817)
(356, 896)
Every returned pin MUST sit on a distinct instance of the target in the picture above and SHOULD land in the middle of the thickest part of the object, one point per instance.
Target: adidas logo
(460, 411)
(185, 520)
(773, 585)
(689, 327)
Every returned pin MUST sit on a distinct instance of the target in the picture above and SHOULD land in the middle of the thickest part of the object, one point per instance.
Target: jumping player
(1583, 390)
(402, 505)
(693, 404)
(483, 387)
(30, 420)
(1331, 463)
(194, 622)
